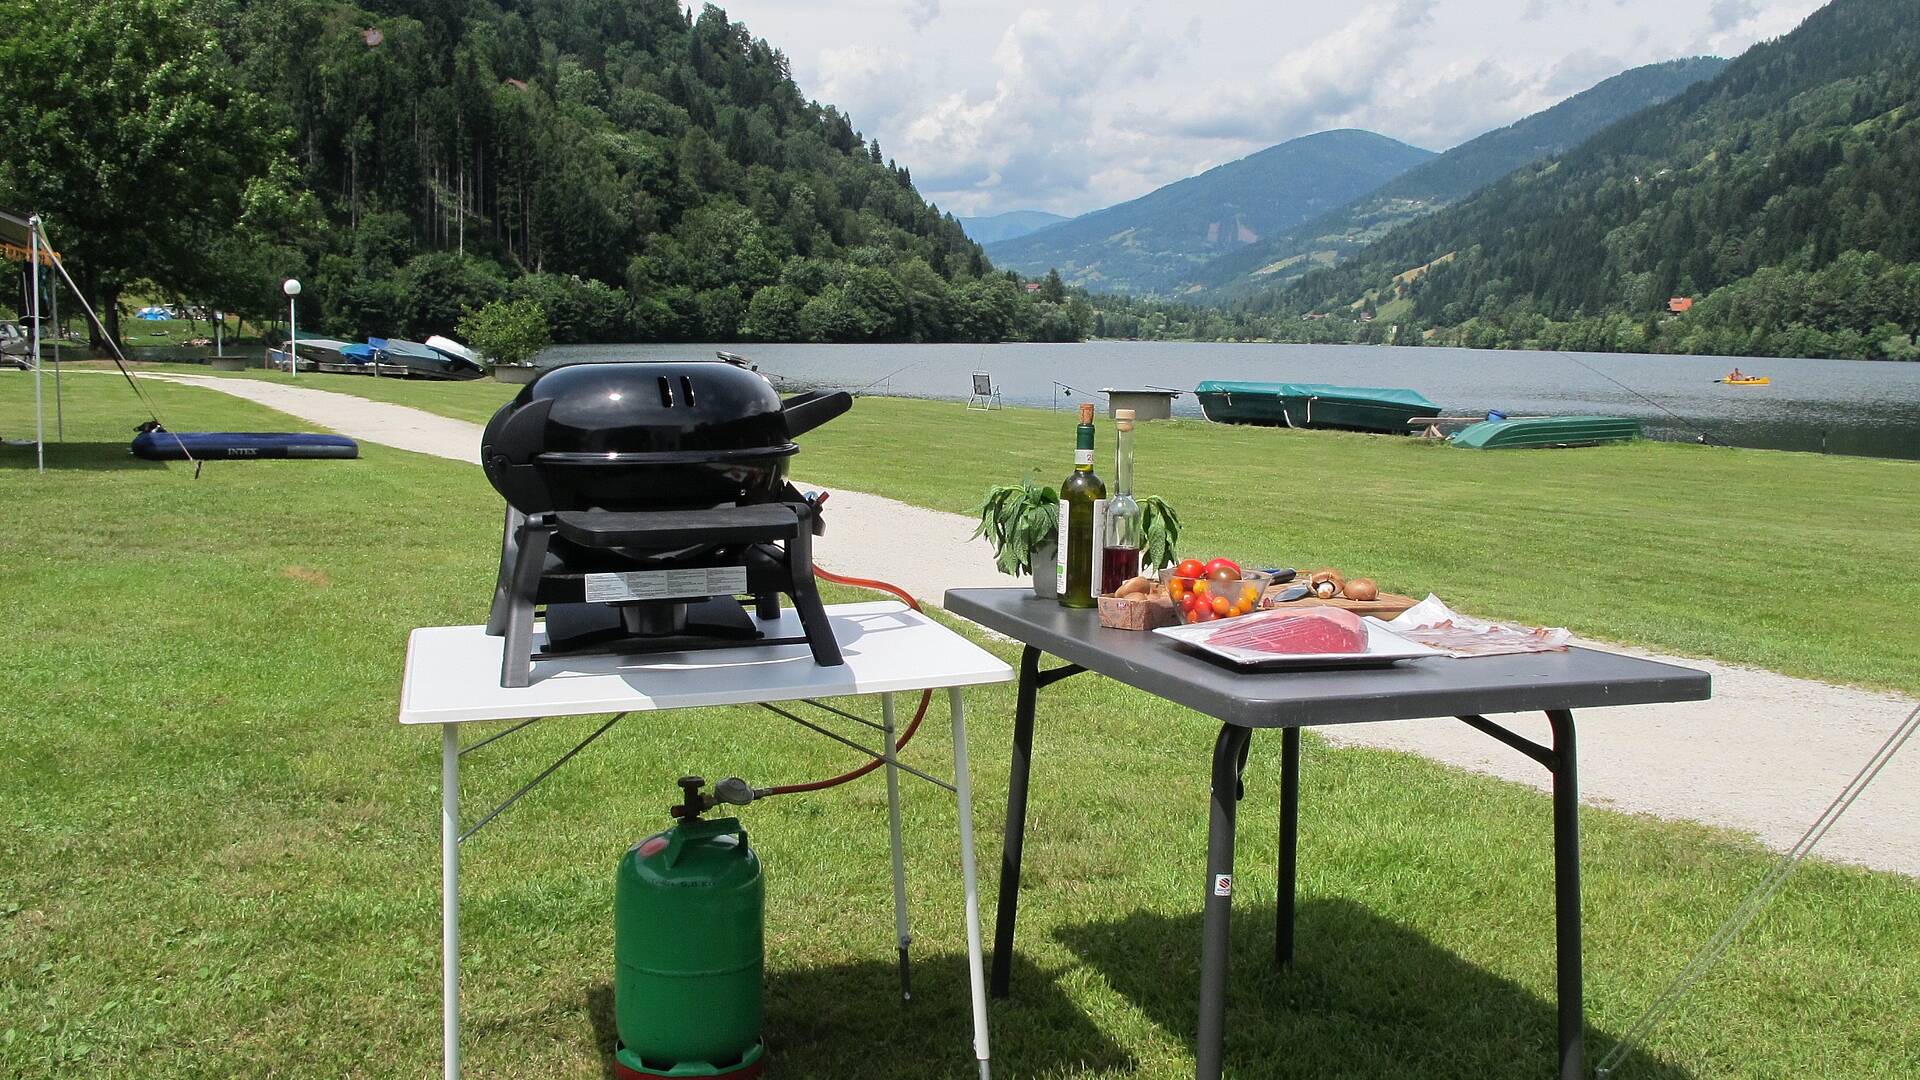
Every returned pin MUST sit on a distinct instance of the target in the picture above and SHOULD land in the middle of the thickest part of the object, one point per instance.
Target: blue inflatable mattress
(163, 445)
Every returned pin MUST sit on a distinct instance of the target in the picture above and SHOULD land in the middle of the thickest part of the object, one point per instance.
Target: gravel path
(1764, 757)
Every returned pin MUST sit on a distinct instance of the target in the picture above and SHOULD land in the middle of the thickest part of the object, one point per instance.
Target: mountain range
(1007, 226)
(1778, 197)
(1453, 175)
(1152, 243)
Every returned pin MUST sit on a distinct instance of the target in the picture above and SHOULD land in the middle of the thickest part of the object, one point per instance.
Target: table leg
(1008, 910)
(450, 899)
(902, 938)
(1223, 807)
(1566, 896)
(1289, 844)
(963, 793)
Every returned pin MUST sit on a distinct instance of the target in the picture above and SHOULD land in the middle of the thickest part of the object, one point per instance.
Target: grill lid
(647, 435)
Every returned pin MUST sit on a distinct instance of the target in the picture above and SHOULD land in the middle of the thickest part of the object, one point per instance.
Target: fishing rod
(1705, 437)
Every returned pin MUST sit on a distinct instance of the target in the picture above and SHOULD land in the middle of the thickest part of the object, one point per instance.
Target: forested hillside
(1152, 243)
(1452, 176)
(1780, 197)
(641, 172)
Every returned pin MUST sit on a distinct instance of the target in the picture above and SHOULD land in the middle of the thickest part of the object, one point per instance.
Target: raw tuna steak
(1315, 630)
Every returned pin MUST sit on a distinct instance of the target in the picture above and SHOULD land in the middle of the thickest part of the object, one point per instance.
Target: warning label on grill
(1223, 884)
(666, 584)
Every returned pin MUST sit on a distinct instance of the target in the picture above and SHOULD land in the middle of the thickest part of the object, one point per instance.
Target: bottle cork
(1086, 412)
(1123, 419)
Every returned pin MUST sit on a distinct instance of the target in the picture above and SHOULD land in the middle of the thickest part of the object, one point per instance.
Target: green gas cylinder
(688, 910)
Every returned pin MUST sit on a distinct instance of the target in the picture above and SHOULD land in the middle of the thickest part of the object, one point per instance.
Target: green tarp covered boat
(1312, 405)
(1542, 431)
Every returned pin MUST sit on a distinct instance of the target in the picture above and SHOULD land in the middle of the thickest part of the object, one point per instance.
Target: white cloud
(1069, 105)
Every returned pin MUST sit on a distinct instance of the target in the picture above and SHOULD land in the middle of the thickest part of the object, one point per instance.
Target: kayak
(164, 445)
(1757, 380)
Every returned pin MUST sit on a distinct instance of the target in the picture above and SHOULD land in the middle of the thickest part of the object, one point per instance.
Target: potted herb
(1022, 522)
(1159, 534)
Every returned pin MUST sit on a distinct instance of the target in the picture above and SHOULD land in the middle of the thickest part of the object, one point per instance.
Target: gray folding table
(1466, 689)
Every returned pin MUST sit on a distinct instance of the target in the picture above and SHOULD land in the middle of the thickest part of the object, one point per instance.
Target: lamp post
(291, 287)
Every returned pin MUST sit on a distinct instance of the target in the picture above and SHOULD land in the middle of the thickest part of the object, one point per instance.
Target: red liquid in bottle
(1117, 565)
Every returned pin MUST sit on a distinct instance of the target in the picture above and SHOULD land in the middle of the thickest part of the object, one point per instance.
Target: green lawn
(220, 852)
(1800, 563)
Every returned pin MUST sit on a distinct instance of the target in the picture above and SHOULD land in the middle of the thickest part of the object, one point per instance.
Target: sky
(1071, 106)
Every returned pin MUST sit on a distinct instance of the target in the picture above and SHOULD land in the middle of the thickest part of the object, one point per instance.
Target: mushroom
(1325, 590)
(1362, 589)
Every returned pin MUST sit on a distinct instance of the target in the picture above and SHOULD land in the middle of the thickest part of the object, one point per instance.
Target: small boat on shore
(1313, 405)
(1535, 432)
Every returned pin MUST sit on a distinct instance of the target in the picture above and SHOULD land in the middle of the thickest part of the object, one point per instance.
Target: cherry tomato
(1221, 605)
(1190, 568)
(1200, 586)
(1177, 589)
(1216, 564)
(1250, 596)
(1205, 614)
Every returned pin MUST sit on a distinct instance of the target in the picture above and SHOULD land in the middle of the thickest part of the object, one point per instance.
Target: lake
(1836, 406)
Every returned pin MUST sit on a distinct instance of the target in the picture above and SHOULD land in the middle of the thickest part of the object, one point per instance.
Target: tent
(24, 239)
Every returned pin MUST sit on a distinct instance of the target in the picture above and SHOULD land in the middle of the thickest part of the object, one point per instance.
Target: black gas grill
(643, 499)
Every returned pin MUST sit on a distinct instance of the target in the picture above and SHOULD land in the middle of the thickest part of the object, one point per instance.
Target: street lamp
(292, 288)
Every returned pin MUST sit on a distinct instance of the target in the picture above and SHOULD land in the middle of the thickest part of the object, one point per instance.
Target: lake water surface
(1836, 406)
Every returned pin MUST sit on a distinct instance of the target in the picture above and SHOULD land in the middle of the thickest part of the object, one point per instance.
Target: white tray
(1384, 647)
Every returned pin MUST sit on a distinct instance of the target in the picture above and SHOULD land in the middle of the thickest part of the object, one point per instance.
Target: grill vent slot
(686, 384)
(666, 392)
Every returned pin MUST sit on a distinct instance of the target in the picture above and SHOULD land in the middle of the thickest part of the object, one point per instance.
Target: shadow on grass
(848, 1020)
(1366, 998)
(81, 456)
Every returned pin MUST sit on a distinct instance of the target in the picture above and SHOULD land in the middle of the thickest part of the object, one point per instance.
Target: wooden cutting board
(1385, 606)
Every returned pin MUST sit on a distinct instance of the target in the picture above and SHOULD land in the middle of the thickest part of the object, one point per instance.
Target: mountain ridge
(1776, 196)
(1452, 175)
(1009, 225)
(1147, 244)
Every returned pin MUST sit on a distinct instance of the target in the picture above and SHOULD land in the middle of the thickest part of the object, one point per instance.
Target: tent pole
(39, 407)
(59, 328)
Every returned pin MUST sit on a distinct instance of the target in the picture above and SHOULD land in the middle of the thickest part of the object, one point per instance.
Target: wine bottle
(1083, 500)
(1120, 551)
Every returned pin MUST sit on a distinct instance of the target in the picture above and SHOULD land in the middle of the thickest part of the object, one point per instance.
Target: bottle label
(1060, 549)
(1083, 457)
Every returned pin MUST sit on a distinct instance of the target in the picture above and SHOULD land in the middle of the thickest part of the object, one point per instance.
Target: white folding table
(452, 678)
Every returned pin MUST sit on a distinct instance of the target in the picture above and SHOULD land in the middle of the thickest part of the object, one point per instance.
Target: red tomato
(1214, 567)
(1190, 568)
(1223, 576)
(1204, 614)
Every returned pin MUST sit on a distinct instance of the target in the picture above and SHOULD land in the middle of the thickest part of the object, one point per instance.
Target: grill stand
(778, 556)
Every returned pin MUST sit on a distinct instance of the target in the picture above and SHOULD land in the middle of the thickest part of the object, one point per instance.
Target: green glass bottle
(1083, 500)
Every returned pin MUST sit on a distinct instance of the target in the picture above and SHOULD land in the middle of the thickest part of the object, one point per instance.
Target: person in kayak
(1735, 375)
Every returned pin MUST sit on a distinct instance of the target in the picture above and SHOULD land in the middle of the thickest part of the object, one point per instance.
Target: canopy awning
(15, 245)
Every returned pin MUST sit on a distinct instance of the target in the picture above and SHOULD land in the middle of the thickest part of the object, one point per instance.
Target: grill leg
(1566, 896)
(503, 581)
(806, 599)
(1289, 844)
(516, 654)
(1008, 911)
(1223, 808)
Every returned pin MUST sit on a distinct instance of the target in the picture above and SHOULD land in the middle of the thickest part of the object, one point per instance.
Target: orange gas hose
(926, 697)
